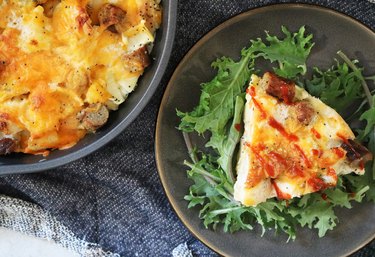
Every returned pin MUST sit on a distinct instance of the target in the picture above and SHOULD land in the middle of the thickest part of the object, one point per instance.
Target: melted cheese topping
(282, 157)
(56, 58)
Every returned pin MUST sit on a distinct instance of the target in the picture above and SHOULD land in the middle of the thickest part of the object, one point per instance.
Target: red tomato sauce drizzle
(276, 125)
(263, 114)
(317, 152)
(316, 133)
(332, 173)
(340, 153)
(278, 157)
(298, 172)
(251, 91)
(265, 164)
(361, 165)
(317, 183)
(344, 139)
(285, 94)
(280, 194)
(304, 157)
(237, 126)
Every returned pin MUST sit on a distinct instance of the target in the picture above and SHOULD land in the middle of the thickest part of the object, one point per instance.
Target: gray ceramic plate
(118, 120)
(332, 31)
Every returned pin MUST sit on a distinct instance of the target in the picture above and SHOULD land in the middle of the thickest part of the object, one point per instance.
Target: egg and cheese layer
(280, 156)
(58, 57)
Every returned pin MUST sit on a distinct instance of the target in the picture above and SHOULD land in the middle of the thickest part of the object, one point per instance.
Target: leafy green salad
(212, 169)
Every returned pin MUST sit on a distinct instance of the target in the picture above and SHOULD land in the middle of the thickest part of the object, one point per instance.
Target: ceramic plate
(332, 32)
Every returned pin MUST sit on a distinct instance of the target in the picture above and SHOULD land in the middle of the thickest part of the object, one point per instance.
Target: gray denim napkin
(114, 197)
(29, 219)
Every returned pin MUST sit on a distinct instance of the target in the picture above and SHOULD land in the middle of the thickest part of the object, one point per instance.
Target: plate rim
(179, 66)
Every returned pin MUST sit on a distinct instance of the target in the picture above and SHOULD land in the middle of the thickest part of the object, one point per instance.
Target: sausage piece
(111, 15)
(304, 112)
(7, 145)
(93, 117)
(282, 89)
(356, 151)
(137, 61)
(3, 125)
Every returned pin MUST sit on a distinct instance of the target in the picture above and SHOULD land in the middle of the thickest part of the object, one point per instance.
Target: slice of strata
(293, 144)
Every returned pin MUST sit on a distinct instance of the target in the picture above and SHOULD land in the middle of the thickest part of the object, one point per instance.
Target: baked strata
(293, 143)
(64, 64)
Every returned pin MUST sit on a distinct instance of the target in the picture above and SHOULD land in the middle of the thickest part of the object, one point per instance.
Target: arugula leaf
(234, 220)
(214, 195)
(218, 96)
(325, 215)
(361, 184)
(352, 65)
(226, 145)
(369, 117)
(313, 211)
(290, 53)
(338, 195)
(338, 86)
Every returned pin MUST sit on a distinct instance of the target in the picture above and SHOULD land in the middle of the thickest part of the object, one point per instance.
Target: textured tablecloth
(114, 197)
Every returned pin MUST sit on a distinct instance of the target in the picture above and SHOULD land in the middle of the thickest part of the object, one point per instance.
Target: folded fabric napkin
(33, 223)
(113, 198)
